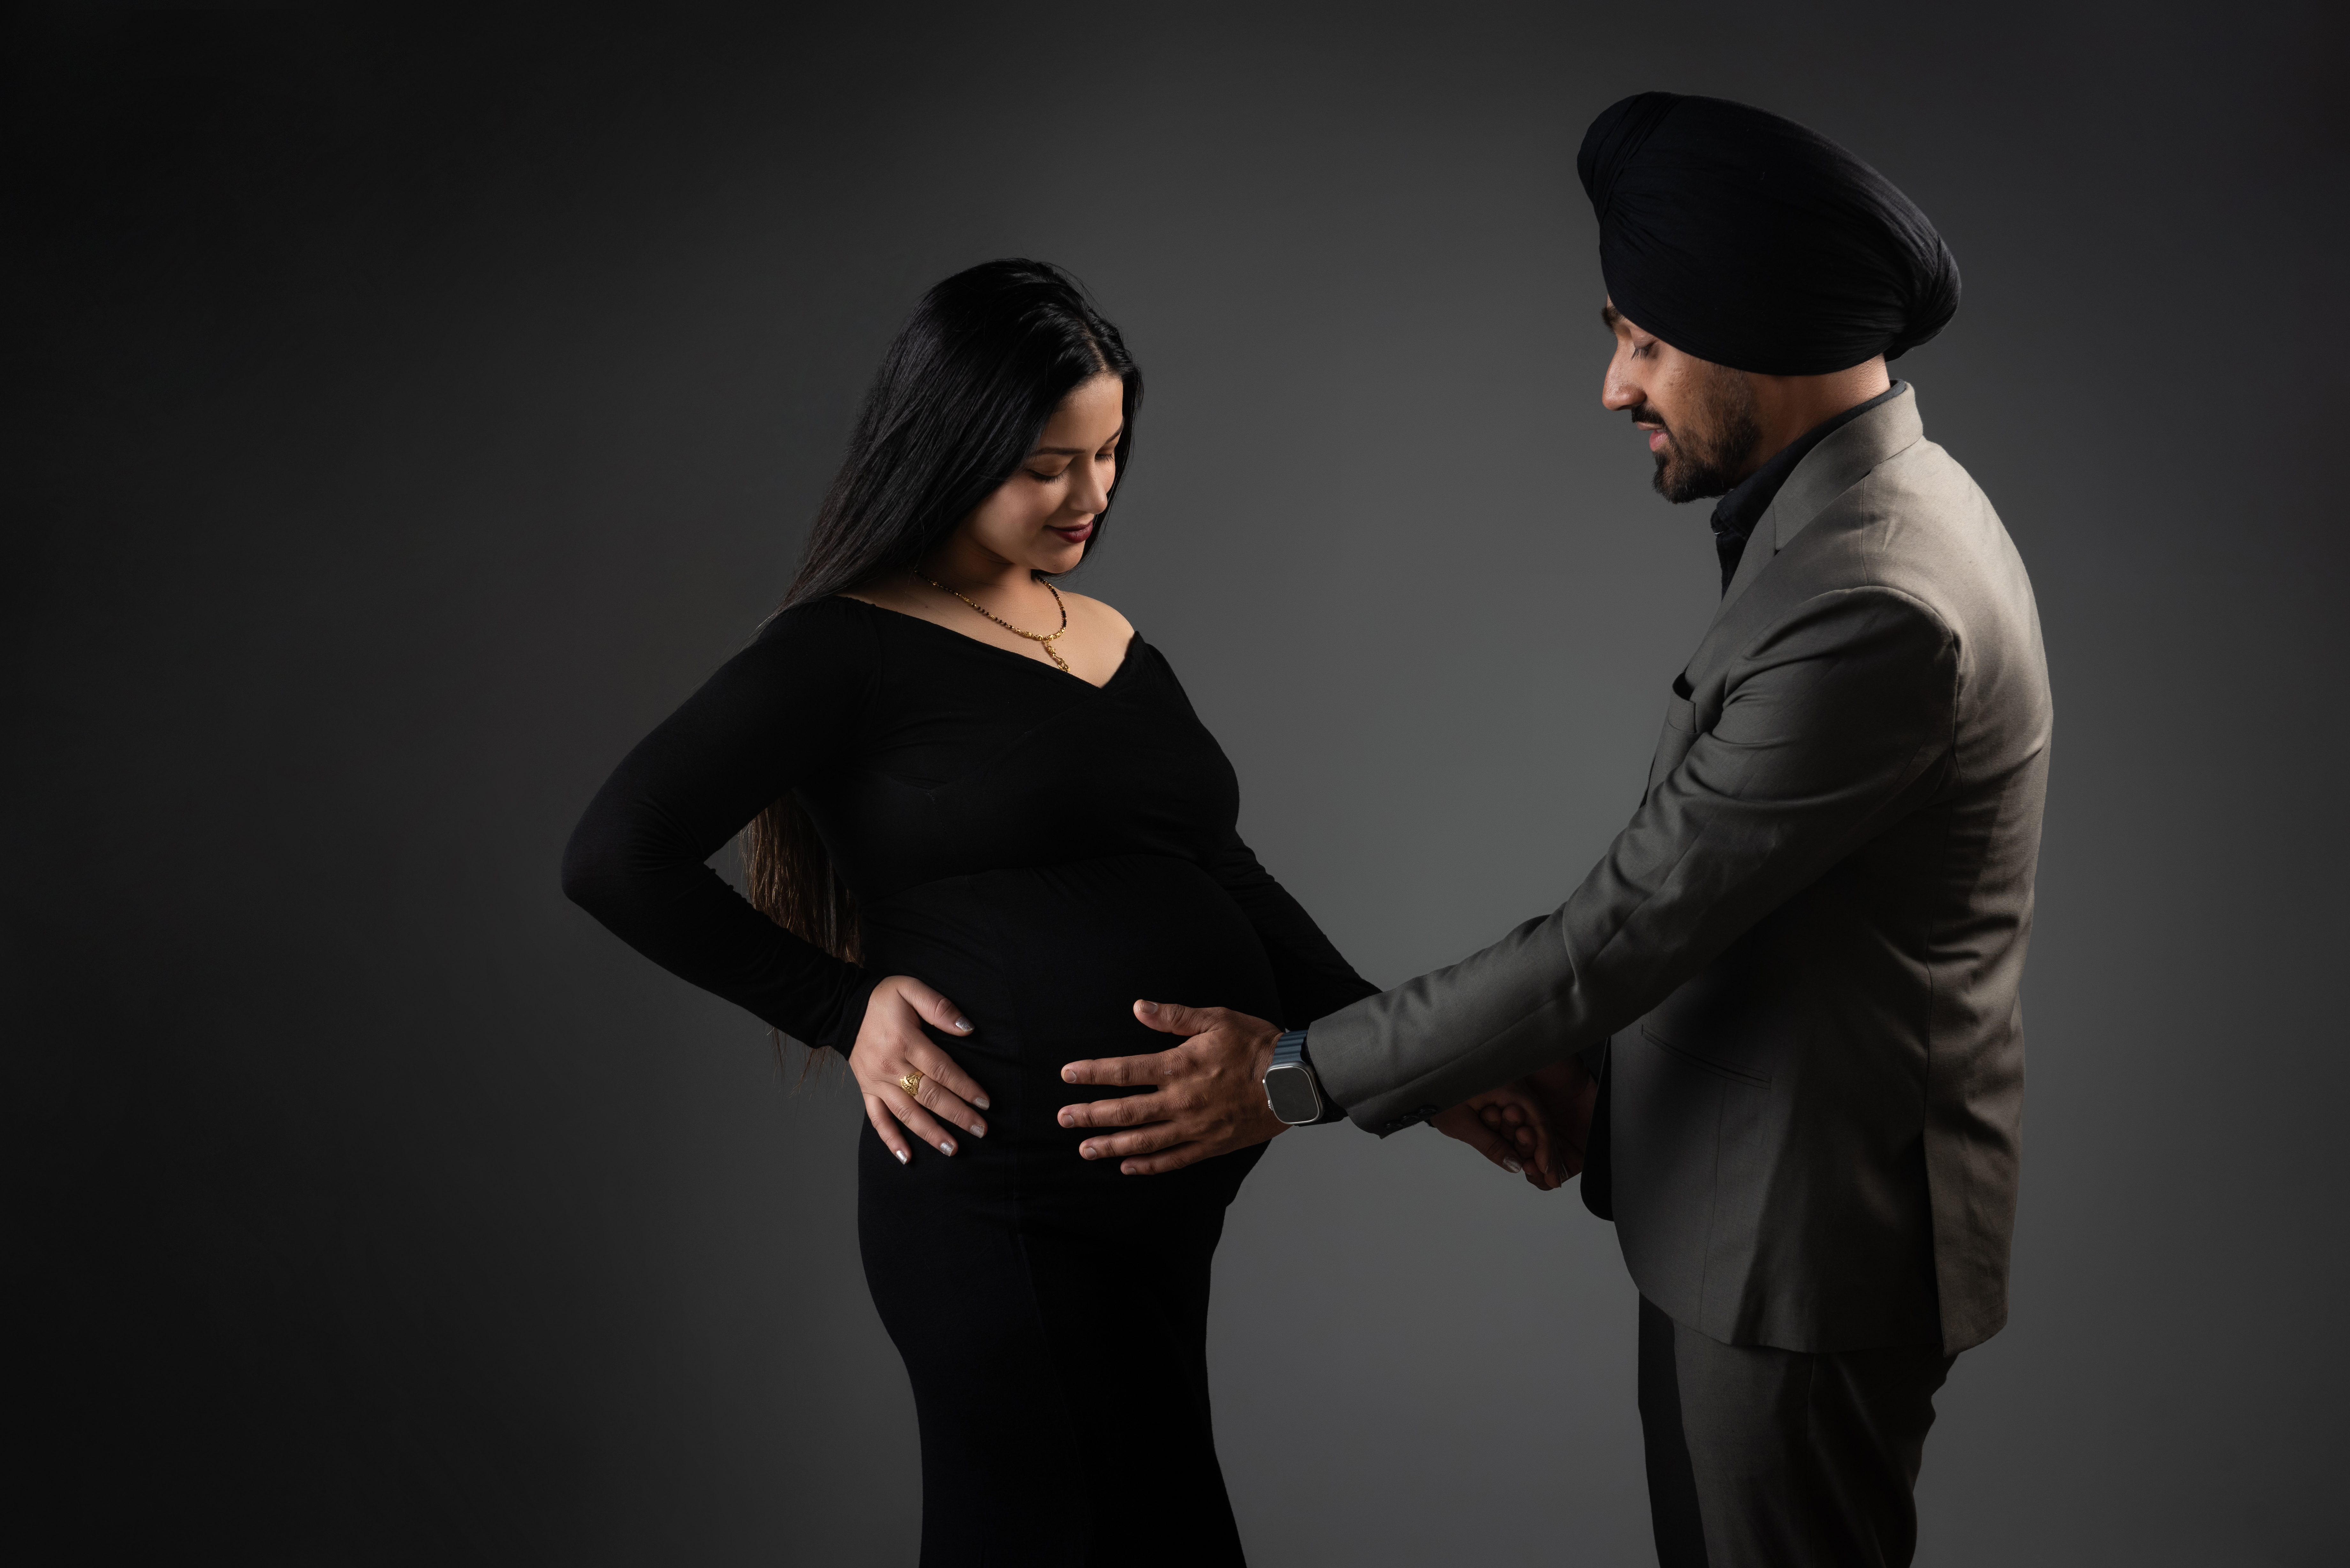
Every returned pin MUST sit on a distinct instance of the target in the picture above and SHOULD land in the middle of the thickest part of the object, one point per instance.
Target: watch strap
(1291, 1049)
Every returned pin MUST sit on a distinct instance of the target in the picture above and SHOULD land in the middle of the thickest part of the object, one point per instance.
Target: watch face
(1290, 1088)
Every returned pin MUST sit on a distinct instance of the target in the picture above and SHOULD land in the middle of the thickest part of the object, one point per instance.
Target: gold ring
(913, 1082)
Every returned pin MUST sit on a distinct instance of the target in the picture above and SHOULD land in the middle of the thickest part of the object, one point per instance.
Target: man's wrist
(1292, 1058)
(1332, 1111)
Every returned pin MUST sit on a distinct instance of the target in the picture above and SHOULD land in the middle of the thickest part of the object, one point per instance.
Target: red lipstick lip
(1076, 535)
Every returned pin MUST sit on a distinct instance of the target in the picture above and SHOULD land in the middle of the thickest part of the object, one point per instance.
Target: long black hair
(962, 396)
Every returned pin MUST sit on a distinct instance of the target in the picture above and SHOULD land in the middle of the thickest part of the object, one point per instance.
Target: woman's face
(1041, 517)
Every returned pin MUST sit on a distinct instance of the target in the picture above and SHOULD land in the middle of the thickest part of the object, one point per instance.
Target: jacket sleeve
(1833, 724)
(1311, 977)
(770, 718)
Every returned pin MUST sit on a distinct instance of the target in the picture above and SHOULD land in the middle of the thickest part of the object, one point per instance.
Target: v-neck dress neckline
(1133, 641)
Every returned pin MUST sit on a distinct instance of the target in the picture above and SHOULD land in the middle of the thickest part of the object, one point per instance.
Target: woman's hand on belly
(891, 1049)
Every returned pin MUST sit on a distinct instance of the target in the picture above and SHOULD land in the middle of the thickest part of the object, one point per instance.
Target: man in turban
(1777, 1027)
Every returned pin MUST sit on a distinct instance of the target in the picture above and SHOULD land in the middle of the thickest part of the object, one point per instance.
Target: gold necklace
(1046, 638)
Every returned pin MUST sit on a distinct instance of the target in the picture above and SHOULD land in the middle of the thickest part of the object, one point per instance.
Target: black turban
(1745, 239)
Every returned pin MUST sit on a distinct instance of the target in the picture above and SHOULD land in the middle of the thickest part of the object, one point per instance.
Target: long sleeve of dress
(771, 718)
(1312, 977)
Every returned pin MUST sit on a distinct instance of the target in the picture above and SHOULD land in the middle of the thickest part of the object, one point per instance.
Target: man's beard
(1704, 452)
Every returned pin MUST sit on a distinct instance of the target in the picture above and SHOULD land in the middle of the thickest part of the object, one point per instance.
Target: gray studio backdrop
(418, 413)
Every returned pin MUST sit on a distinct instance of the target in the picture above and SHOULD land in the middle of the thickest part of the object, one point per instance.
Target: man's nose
(1618, 392)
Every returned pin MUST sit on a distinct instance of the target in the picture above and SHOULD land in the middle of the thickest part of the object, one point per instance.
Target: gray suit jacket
(1812, 933)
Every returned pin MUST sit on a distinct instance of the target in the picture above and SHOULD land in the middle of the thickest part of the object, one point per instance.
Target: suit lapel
(1828, 470)
(1841, 462)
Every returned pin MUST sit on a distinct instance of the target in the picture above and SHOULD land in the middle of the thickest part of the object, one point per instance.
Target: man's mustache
(1645, 415)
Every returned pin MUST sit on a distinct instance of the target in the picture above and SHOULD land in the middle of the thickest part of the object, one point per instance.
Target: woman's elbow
(591, 871)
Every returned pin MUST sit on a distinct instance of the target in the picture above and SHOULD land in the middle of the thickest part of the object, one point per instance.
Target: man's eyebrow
(1609, 317)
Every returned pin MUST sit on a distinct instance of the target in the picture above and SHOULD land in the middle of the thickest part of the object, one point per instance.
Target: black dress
(1045, 853)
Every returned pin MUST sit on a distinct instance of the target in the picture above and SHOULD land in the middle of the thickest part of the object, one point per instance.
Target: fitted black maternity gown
(1045, 853)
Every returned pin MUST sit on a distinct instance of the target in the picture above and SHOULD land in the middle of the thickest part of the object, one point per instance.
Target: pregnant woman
(982, 821)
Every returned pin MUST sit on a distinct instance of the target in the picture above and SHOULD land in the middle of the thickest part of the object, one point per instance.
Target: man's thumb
(1173, 1018)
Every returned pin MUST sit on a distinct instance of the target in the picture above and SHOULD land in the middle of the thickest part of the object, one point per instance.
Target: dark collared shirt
(1735, 515)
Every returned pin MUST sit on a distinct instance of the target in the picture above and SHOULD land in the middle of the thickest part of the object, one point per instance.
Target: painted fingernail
(945, 1148)
(964, 1025)
(900, 1153)
(977, 1130)
(1513, 1167)
(980, 1102)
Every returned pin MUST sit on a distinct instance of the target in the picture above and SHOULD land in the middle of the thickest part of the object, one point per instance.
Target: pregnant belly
(1047, 963)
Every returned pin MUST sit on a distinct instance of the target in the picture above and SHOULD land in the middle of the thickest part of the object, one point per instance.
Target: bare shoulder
(1096, 616)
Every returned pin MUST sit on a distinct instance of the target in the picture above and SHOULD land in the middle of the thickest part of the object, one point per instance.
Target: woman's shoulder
(823, 629)
(884, 591)
(831, 609)
(1096, 614)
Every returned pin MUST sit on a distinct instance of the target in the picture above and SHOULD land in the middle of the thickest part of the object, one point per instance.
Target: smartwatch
(1290, 1087)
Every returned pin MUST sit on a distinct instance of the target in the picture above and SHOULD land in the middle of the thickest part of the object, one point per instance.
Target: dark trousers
(1775, 1459)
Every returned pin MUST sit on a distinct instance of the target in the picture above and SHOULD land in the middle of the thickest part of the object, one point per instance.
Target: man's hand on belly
(1208, 1096)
